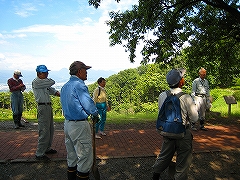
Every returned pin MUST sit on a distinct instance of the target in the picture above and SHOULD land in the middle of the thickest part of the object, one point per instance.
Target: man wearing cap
(42, 89)
(201, 96)
(77, 105)
(16, 88)
(183, 147)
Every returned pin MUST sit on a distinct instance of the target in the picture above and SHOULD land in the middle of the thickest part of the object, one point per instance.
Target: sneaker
(194, 129)
(203, 128)
(103, 133)
(51, 151)
(98, 137)
(43, 158)
(23, 119)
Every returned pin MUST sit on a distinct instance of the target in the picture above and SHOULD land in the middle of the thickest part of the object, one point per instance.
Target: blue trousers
(102, 111)
(17, 102)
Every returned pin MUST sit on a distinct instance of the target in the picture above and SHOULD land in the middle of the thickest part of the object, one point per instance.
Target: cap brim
(182, 71)
(88, 67)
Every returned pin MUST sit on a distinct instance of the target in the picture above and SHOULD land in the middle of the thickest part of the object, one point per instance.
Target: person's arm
(14, 85)
(194, 88)
(161, 99)
(95, 95)
(189, 108)
(207, 89)
(87, 102)
(53, 91)
(42, 83)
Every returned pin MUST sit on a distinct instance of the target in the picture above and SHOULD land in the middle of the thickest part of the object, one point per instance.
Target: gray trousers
(183, 148)
(78, 141)
(45, 129)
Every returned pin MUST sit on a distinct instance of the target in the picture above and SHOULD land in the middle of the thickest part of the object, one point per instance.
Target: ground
(222, 165)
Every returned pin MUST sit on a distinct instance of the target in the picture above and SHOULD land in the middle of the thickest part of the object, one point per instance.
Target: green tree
(5, 99)
(151, 83)
(211, 28)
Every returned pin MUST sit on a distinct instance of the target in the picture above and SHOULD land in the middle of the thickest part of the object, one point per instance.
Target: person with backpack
(176, 112)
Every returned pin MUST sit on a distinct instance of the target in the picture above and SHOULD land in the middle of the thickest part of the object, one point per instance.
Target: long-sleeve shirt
(188, 108)
(100, 97)
(42, 89)
(200, 87)
(13, 85)
(76, 101)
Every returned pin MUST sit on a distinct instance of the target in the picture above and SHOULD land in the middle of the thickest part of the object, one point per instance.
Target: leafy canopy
(207, 30)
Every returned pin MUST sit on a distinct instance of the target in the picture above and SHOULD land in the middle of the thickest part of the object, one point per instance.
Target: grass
(219, 105)
(219, 110)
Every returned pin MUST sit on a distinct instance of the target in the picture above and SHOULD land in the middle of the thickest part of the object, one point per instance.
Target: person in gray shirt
(42, 89)
(201, 97)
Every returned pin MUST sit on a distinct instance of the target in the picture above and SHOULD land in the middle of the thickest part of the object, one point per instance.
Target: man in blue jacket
(77, 105)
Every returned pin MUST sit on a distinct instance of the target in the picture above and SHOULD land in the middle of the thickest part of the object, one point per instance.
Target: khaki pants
(78, 141)
(45, 129)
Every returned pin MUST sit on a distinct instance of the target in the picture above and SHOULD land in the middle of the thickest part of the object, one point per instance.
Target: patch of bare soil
(223, 165)
(213, 166)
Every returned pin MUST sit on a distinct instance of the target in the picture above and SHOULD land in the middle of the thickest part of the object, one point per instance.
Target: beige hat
(17, 72)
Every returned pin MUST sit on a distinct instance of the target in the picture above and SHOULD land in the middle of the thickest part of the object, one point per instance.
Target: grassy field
(219, 109)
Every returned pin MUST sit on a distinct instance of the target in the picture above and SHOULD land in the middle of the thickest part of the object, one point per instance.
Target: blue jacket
(76, 101)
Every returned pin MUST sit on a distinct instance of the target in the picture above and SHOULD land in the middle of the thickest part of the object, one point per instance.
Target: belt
(78, 119)
(48, 103)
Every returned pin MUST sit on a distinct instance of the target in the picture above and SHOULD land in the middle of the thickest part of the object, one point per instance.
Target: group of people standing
(78, 105)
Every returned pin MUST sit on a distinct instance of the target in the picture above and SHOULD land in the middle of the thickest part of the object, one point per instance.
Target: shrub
(236, 95)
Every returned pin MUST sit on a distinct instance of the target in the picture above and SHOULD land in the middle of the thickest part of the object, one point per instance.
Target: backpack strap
(180, 94)
(99, 91)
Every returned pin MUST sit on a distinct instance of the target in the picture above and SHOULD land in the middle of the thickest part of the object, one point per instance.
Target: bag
(169, 121)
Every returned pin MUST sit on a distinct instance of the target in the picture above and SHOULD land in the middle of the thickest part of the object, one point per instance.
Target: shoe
(16, 126)
(194, 129)
(98, 137)
(203, 128)
(51, 151)
(103, 133)
(43, 158)
(21, 125)
(23, 119)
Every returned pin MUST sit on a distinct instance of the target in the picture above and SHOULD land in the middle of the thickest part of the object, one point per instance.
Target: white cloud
(2, 57)
(87, 42)
(25, 9)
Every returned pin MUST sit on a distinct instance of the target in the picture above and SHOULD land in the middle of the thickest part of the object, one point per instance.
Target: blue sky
(58, 32)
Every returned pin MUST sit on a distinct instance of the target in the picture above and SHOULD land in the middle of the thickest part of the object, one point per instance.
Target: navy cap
(42, 68)
(174, 76)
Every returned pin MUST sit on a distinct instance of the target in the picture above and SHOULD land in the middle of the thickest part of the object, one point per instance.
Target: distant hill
(60, 76)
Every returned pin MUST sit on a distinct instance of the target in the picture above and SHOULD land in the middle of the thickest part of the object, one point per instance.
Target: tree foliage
(211, 28)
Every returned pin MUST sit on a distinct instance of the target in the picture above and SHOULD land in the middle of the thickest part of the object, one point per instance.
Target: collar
(15, 78)
(175, 90)
(201, 79)
(101, 87)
